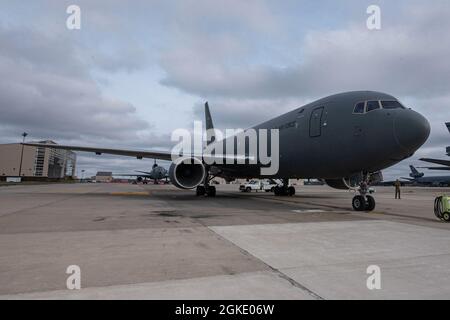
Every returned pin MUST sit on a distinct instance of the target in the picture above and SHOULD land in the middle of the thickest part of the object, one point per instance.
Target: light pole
(24, 135)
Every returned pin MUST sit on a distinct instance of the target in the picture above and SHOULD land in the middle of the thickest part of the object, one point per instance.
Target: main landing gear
(206, 189)
(285, 189)
(363, 201)
(209, 191)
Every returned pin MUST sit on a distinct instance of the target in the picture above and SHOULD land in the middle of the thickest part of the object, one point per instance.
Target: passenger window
(392, 105)
(359, 108)
(372, 105)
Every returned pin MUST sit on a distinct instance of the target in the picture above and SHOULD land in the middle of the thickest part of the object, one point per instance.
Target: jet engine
(187, 173)
(337, 184)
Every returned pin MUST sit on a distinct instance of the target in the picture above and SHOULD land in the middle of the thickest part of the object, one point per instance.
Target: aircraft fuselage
(327, 139)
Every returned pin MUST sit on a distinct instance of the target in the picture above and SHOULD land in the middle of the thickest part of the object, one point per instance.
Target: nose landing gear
(363, 201)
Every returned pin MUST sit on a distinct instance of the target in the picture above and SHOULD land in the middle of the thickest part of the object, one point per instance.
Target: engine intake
(187, 173)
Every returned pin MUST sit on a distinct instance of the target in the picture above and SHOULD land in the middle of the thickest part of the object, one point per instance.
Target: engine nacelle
(187, 173)
(336, 184)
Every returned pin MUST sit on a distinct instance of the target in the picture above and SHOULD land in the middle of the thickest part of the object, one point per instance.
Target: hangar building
(36, 162)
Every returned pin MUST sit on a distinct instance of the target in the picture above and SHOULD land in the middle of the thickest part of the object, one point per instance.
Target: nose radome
(411, 129)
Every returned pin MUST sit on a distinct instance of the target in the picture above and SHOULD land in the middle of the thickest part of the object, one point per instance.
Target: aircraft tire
(359, 203)
(276, 191)
(211, 191)
(291, 191)
(370, 203)
(200, 191)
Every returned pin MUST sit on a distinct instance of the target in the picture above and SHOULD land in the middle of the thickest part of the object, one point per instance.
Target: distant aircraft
(414, 173)
(341, 138)
(445, 163)
(156, 174)
(419, 178)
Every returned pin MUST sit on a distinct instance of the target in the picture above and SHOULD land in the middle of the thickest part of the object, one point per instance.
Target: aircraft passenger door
(315, 122)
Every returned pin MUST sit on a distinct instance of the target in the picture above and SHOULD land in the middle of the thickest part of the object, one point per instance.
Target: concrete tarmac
(158, 242)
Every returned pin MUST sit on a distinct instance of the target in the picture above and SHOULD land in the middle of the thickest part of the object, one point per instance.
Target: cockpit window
(359, 108)
(392, 105)
(372, 105)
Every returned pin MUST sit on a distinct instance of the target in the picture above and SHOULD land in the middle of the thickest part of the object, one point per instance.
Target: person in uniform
(397, 185)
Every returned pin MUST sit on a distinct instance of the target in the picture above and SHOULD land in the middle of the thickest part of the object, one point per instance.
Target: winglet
(209, 125)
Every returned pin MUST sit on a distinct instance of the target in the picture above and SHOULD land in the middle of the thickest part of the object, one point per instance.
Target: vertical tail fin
(448, 126)
(209, 125)
(414, 173)
(413, 170)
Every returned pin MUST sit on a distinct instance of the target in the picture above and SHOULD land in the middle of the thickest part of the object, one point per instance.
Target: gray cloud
(406, 58)
(47, 89)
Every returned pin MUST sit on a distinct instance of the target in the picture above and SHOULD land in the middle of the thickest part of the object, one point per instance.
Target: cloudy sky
(139, 69)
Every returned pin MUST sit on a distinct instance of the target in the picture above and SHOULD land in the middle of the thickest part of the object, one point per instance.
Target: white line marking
(308, 211)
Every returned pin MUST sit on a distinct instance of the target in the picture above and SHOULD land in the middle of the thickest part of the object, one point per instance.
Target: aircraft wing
(121, 152)
(145, 172)
(437, 161)
(132, 175)
(161, 155)
(435, 168)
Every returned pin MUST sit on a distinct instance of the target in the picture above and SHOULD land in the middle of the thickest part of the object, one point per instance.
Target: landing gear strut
(285, 189)
(363, 201)
(206, 189)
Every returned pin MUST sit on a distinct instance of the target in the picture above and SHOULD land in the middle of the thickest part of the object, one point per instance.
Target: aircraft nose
(411, 130)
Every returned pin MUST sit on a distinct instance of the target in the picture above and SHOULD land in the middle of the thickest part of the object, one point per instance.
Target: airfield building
(103, 176)
(39, 163)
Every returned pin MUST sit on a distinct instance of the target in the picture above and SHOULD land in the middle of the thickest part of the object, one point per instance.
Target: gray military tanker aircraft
(156, 174)
(345, 140)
